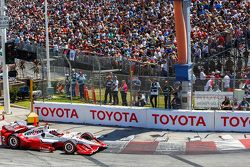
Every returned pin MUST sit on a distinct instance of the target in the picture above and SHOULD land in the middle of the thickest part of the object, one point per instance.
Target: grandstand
(133, 37)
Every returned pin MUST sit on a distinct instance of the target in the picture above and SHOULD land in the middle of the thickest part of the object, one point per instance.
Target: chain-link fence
(208, 93)
(137, 75)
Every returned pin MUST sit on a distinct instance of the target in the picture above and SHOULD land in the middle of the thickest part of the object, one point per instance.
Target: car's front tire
(13, 142)
(69, 147)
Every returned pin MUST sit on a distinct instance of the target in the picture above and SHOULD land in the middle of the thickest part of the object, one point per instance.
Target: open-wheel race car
(19, 135)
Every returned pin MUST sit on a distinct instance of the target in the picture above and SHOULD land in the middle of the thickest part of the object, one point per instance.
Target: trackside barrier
(183, 120)
(207, 99)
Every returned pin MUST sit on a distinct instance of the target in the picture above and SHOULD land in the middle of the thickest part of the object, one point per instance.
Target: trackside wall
(183, 120)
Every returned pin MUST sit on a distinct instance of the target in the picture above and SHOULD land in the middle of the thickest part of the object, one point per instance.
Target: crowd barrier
(207, 99)
(182, 120)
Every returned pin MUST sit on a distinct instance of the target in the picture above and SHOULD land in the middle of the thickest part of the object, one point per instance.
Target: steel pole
(70, 74)
(47, 44)
(5, 67)
(100, 81)
(187, 85)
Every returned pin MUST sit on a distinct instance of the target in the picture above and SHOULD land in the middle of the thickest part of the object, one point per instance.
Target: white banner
(60, 112)
(91, 114)
(205, 100)
(238, 121)
(183, 120)
(115, 115)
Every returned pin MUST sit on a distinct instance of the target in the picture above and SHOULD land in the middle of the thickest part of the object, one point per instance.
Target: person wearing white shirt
(202, 75)
(209, 84)
(226, 81)
(72, 55)
(202, 79)
(115, 91)
(165, 69)
(154, 89)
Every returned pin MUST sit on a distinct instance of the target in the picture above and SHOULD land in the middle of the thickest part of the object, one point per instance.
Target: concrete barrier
(182, 120)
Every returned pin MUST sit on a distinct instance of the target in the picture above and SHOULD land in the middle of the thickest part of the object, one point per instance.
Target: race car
(43, 138)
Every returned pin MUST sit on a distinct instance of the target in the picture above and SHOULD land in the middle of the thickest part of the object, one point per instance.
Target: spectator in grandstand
(244, 104)
(128, 29)
(176, 102)
(167, 91)
(67, 85)
(81, 80)
(124, 90)
(154, 92)
(140, 100)
(115, 91)
(108, 90)
(164, 67)
(74, 76)
(197, 54)
(55, 49)
(226, 104)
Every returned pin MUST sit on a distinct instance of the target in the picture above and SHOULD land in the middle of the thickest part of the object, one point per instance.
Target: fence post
(69, 76)
(100, 83)
(130, 72)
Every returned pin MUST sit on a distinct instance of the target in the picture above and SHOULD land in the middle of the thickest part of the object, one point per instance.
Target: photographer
(154, 89)
(140, 100)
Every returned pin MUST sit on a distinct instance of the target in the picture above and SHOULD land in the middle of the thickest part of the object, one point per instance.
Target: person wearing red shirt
(124, 90)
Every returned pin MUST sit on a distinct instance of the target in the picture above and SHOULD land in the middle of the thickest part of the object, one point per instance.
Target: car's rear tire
(13, 142)
(69, 147)
(87, 136)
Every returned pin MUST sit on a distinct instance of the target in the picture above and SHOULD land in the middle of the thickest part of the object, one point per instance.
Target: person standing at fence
(154, 89)
(136, 85)
(145, 88)
(209, 85)
(167, 91)
(202, 79)
(124, 90)
(81, 79)
(73, 82)
(115, 91)
(226, 81)
(176, 102)
(67, 85)
(108, 91)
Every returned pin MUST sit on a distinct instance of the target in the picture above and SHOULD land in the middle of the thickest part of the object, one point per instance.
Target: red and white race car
(19, 135)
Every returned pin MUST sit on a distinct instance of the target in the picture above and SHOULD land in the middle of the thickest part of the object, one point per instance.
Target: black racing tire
(87, 136)
(13, 142)
(69, 147)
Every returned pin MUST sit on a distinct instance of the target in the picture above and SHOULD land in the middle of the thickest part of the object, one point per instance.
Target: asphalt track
(27, 158)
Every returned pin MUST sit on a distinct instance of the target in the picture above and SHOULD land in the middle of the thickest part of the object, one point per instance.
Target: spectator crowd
(142, 31)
